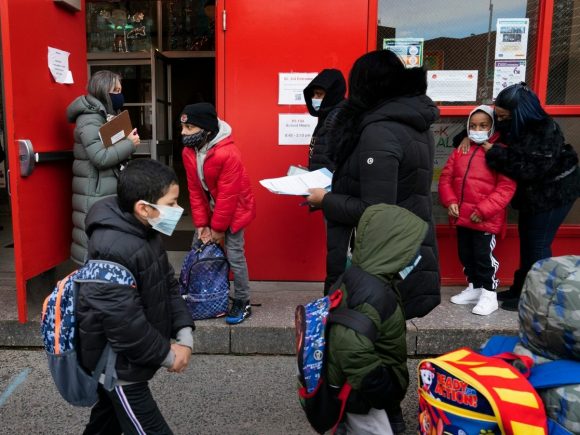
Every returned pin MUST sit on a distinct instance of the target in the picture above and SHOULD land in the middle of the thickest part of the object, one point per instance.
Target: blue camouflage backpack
(204, 281)
(59, 333)
(324, 404)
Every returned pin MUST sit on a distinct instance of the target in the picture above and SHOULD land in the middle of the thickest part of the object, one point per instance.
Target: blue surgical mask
(478, 136)
(167, 220)
(117, 100)
(316, 103)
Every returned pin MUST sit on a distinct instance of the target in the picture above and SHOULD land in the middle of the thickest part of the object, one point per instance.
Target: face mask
(504, 126)
(316, 103)
(478, 136)
(167, 220)
(196, 140)
(117, 100)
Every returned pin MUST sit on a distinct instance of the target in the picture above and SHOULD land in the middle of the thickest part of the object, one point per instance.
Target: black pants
(130, 409)
(476, 254)
(536, 232)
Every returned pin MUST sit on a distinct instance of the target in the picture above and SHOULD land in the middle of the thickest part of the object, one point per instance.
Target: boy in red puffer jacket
(222, 201)
(476, 198)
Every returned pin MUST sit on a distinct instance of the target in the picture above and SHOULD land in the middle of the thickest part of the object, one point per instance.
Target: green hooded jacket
(387, 240)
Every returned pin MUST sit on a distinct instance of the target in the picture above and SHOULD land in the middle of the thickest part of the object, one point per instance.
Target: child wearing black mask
(222, 201)
(96, 167)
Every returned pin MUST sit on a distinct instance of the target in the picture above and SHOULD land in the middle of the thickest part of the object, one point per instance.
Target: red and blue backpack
(59, 333)
(324, 404)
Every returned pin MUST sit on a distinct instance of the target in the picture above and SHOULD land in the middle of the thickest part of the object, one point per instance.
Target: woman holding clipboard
(96, 166)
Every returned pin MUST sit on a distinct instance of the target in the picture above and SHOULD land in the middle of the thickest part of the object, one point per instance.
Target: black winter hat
(202, 115)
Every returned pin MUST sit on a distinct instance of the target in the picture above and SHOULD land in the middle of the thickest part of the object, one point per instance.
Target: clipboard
(116, 129)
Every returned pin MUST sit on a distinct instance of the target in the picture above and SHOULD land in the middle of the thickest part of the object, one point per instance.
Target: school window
(472, 50)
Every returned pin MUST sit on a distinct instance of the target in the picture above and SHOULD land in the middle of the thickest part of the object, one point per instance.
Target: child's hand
(486, 146)
(217, 236)
(204, 234)
(453, 210)
(182, 357)
(475, 218)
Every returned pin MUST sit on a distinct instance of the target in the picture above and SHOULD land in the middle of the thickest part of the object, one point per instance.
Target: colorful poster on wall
(291, 86)
(295, 128)
(410, 50)
(452, 85)
(511, 41)
(507, 73)
(443, 134)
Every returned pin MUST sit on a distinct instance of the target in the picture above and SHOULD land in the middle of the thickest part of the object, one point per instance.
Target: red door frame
(35, 108)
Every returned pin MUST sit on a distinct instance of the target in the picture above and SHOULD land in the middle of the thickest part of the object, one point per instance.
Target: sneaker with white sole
(468, 296)
(487, 303)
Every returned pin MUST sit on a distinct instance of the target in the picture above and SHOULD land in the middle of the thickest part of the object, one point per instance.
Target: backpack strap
(354, 320)
(106, 363)
(555, 374)
(546, 375)
(499, 344)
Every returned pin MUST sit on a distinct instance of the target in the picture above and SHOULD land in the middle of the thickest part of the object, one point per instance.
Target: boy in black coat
(323, 96)
(138, 322)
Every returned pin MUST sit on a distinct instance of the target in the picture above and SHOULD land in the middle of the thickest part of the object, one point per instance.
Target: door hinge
(224, 15)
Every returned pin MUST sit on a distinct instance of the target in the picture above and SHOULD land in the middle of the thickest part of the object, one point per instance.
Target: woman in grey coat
(96, 167)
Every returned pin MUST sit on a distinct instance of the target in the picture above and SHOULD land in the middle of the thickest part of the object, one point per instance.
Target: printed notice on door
(448, 85)
(58, 65)
(507, 73)
(291, 86)
(295, 128)
(409, 50)
(511, 41)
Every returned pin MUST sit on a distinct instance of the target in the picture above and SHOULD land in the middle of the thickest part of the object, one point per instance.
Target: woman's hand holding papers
(316, 196)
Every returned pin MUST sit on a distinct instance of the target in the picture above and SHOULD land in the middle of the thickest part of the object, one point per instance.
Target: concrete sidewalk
(270, 330)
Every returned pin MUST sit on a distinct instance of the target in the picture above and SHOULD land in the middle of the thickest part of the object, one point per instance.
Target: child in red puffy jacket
(222, 201)
(476, 198)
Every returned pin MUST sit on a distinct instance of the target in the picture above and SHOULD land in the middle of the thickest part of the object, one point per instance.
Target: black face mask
(117, 101)
(196, 140)
(504, 126)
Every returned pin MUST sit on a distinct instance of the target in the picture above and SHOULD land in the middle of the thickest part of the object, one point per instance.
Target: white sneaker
(468, 296)
(487, 303)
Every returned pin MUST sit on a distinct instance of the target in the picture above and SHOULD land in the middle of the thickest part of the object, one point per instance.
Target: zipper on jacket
(463, 182)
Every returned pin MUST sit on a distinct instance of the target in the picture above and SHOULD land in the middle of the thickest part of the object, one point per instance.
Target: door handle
(28, 158)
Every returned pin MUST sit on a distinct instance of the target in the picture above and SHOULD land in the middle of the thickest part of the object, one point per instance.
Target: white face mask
(478, 136)
(167, 220)
(316, 103)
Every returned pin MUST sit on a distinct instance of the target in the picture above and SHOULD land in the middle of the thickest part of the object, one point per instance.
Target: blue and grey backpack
(59, 333)
(204, 281)
(324, 404)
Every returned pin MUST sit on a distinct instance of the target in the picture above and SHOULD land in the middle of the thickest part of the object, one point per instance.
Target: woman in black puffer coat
(384, 155)
(546, 171)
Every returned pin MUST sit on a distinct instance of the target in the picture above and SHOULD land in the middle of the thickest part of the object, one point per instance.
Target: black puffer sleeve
(532, 157)
(124, 322)
(380, 153)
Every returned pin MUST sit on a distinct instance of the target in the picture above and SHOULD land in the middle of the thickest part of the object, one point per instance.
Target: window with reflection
(189, 25)
(563, 85)
(121, 26)
(460, 35)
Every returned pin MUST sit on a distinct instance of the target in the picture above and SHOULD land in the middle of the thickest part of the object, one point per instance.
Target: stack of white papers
(300, 183)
